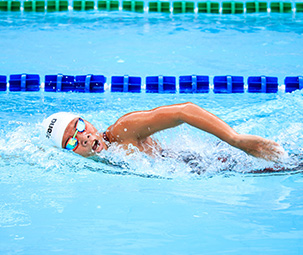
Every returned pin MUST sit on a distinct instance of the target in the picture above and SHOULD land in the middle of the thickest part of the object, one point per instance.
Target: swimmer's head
(62, 126)
(55, 126)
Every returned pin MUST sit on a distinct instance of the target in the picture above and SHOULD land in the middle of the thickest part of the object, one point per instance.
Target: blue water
(106, 43)
(55, 202)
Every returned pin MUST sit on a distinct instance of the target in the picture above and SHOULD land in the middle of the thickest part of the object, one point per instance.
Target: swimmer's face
(90, 141)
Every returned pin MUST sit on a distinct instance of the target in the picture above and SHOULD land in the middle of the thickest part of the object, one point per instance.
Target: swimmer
(73, 133)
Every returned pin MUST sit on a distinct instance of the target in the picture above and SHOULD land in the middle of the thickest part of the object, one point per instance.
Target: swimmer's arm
(145, 123)
(140, 125)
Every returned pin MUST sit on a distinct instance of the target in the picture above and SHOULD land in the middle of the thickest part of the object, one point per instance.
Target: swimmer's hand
(260, 147)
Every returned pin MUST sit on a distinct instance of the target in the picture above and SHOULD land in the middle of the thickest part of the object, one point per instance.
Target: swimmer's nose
(85, 139)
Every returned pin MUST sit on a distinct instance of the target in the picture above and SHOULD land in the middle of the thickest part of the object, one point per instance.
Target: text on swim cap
(50, 128)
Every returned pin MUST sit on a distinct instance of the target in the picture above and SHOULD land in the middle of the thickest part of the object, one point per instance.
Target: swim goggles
(73, 142)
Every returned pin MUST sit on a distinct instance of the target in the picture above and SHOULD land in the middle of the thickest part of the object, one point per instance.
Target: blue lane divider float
(90, 83)
(126, 84)
(160, 84)
(293, 83)
(154, 84)
(194, 84)
(2, 83)
(262, 84)
(59, 83)
(24, 82)
(228, 84)
(68, 83)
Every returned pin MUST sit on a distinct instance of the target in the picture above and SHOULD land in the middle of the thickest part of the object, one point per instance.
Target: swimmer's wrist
(235, 140)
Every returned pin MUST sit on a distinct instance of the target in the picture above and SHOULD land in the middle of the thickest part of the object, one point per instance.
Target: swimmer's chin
(91, 154)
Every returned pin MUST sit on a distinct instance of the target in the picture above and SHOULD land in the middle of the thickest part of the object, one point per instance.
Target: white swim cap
(55, 126)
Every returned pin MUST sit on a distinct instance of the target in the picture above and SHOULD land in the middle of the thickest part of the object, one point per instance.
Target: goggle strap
(76, 133)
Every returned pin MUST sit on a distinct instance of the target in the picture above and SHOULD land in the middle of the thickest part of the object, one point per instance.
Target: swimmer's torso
(147, 145)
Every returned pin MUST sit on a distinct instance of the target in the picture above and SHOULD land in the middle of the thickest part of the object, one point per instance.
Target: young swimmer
(74, 133)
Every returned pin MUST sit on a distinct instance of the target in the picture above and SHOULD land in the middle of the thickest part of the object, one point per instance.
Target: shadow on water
(195, 167)
(118, 169)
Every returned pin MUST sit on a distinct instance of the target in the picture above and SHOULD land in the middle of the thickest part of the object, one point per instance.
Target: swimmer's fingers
(260, 147)
(269, 150)
(273, 152)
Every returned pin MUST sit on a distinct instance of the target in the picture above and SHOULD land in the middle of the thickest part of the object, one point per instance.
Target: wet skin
(90, 140)
(136, 128)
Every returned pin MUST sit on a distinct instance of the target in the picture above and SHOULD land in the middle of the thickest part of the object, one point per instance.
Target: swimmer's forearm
(251, 144)
(206, 121)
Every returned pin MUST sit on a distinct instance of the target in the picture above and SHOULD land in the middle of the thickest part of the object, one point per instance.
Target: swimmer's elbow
(189, 107)
(185, 110)
(175, 114)
(182, 112)
(188, 104)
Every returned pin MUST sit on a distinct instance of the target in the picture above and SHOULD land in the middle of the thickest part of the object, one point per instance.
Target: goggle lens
(80, 125)
(72, 142)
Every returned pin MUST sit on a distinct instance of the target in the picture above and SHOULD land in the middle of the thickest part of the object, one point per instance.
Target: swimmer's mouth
(97, 146)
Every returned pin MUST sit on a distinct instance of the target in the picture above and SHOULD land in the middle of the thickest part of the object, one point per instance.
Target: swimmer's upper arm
(141, 124)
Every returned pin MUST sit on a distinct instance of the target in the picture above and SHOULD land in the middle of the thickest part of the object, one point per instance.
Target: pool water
(55, 202)
(106, 43)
